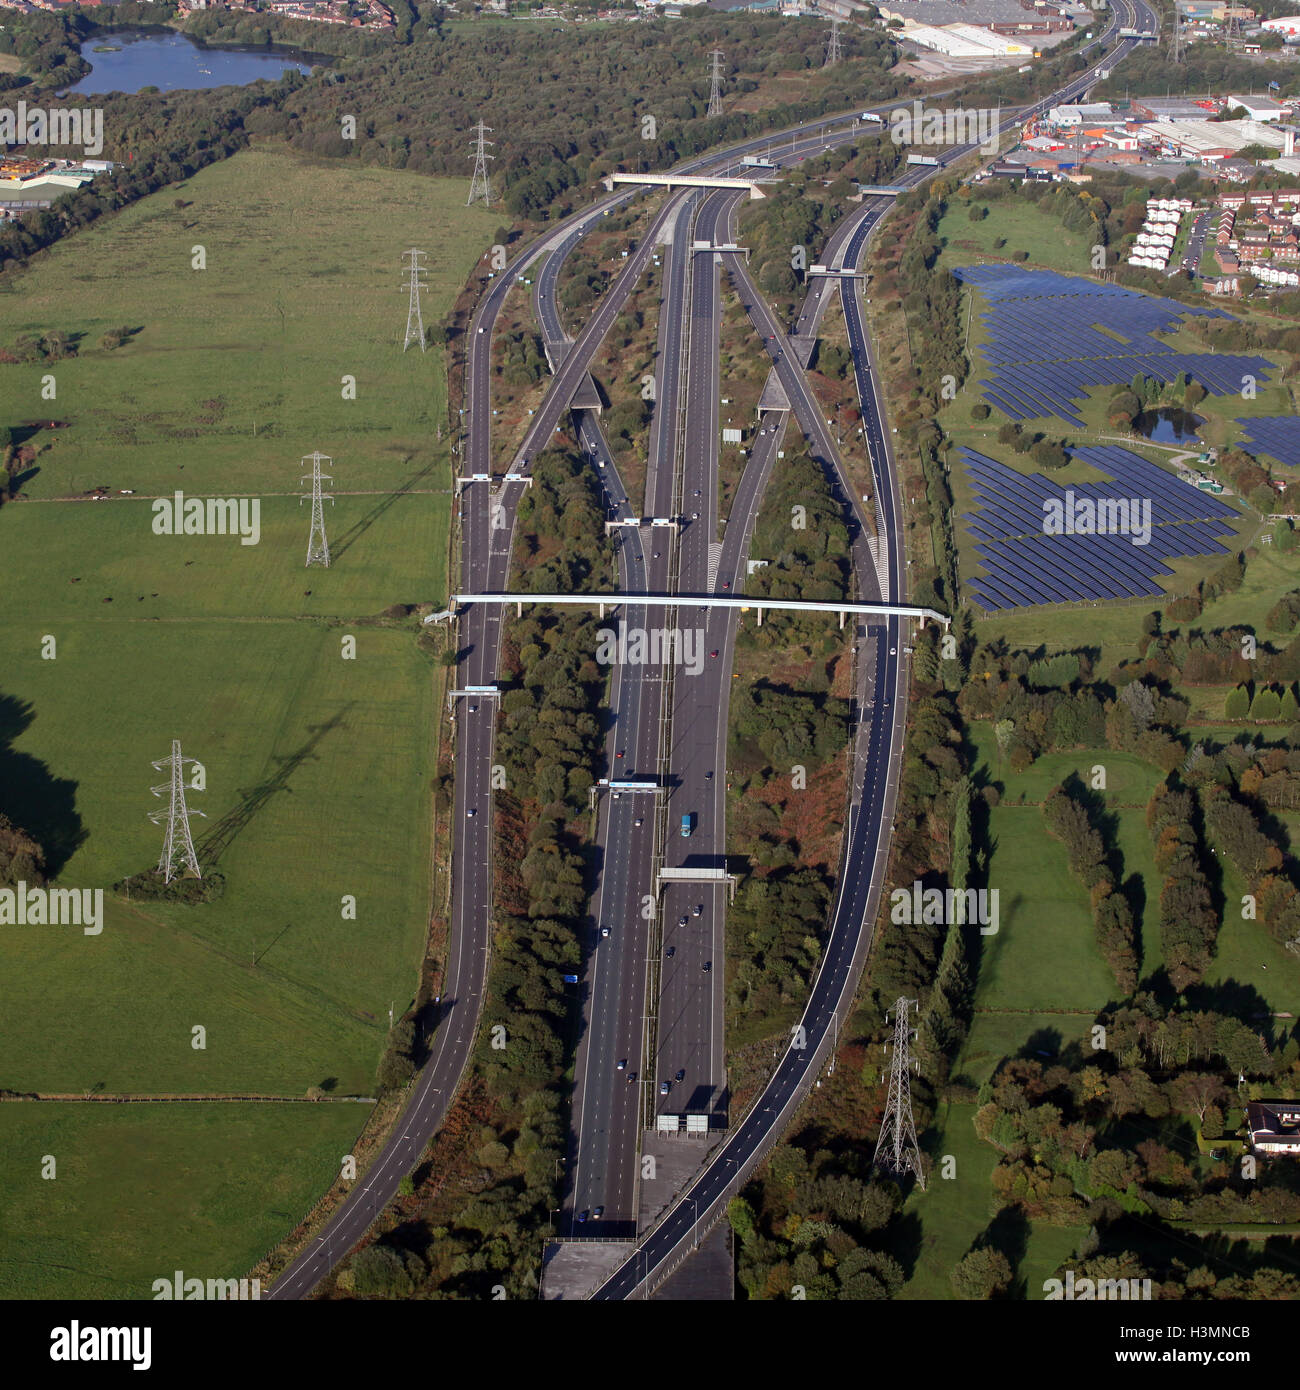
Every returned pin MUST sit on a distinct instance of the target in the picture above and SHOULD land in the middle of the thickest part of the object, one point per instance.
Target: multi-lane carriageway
(485, 568)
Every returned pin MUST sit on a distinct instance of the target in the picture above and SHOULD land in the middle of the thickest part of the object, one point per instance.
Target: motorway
(881, 718)
(610, 1068)
(690, 1054)
(487, 525)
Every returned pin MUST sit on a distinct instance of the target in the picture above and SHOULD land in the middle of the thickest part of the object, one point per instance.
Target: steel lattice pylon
(715, 84)
(178, 846)
(833, 45)
(318, 548)
(479, 186)
(897, 1150)
(414, 316)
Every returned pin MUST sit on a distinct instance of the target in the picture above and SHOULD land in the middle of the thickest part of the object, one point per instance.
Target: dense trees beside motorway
(1205, 67)
(481, 1205)
(561, 528)
(783, 730)
(786, 231)
(775, 927)
(1102, 1133)
(816, 1222)
(633, 95)
(932, 837)
(802, 536)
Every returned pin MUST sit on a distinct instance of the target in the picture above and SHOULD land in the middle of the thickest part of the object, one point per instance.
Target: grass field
(952, 1212)
(1043, 955)
(253, 701)
(1129, 780)
(384, 550)
(302, 286)
(1021, 226)
(143, 1190)
(317, 765)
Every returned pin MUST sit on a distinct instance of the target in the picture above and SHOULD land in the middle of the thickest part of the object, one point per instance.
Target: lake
(1168, 425)
(173, 62)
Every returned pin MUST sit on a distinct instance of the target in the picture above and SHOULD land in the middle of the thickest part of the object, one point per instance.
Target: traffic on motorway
(651, 1039)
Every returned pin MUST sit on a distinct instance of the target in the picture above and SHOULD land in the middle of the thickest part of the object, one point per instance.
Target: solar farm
(1025, 565)
(1049, 338)
(1273, 436)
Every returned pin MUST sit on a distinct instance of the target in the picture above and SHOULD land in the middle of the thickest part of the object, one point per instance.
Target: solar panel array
(1024, 566)
(1277, 436)
(1050, 337)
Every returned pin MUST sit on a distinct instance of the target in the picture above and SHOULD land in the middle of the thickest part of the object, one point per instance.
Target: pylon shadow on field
(219, 838)
(360, 527)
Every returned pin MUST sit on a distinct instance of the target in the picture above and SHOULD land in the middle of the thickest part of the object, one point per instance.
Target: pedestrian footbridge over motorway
(754, 187)
(741, 601)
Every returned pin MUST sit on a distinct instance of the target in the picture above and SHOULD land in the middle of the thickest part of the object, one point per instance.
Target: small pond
(1168, 425)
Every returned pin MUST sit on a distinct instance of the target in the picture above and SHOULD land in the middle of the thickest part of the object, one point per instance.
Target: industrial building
(941, 13)
(1173, 108)
(1094, 113)
(1213, 140)
(967, 41)
(1258, 108)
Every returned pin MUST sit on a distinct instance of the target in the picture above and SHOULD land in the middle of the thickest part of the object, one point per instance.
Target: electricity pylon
(833, 45)
(414, 318)
(1231, 24)
(318, 548)
(178, 846)
(897, 1150)
(715, 84)
(479, 187)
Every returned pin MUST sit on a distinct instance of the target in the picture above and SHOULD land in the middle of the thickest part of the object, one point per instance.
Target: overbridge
(743, 602)
(751, 186)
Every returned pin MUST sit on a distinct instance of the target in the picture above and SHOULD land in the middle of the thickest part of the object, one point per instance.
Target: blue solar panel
(1116, 533)
(1048, 338)
(1273, 436)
